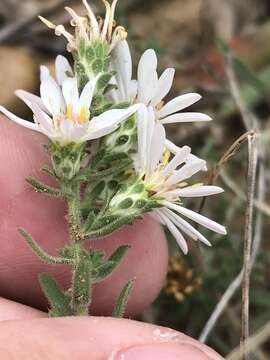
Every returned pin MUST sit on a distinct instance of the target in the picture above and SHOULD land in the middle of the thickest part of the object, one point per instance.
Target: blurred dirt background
(185, 34)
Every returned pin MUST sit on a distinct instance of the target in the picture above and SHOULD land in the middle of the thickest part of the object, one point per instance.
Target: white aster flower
(150, 89)
(61, 113)
(166, 181)
(91, 28)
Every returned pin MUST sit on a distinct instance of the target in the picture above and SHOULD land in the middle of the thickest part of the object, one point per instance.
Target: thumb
(96, 338)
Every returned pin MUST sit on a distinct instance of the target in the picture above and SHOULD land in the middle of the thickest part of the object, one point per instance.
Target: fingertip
(10, 310)
(98, 338)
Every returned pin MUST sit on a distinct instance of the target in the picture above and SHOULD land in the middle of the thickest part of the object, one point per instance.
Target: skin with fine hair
(34, 336)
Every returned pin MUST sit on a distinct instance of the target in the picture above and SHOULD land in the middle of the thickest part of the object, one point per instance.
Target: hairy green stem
(81, 268)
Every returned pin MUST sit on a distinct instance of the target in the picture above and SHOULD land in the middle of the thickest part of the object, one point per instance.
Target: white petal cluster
(150, 89)
(61, 113)
(166, 181)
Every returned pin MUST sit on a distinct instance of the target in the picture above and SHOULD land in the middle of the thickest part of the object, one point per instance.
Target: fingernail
(162, 351)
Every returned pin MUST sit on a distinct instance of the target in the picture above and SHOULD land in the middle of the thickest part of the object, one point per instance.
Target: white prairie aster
(62, 114)
(150, 89)
(166, 181)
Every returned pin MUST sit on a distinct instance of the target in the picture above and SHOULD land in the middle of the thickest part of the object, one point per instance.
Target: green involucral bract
(66, 160)
(123, 140)
(91, 60)
(132, 199)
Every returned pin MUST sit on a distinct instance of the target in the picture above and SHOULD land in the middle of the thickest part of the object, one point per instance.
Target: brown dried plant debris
(181, 281)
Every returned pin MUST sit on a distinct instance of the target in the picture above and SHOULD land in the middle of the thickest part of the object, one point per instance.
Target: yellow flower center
(83, 116)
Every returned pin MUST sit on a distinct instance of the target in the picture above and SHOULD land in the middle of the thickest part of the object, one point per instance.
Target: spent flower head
(91, 28)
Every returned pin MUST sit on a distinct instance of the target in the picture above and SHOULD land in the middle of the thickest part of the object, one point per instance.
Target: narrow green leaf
(43, 188)
(91, 195)
(113, 226)
(106, 269)
(59, 302)
(89, 222)
(96, 257)
(48, 170)
(112, 171)
(118, 255)
(48, 259)
(121, 302)
(97, 159)
(103, 271)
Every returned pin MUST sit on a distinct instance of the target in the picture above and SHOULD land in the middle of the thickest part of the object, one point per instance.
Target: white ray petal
(200, 219)
(164, 85)
(25, 95)
(44, 120)
(174, 231)
(111, 118)
(142, 125)
(66, 127)
(96, 134)
(122, 64)
(40, 116)
(147, 76)
(186, 172)
(157, 146)
(179, 103)
(19, 121)
(44, 73)
(88, 92)
(174, 149)
(133, 89)
(114, 96)
(71, 94)
(63, 69)
(186, 227)
(154, 214)
(196, 191)
(185, 117)
(180, 157)
(149, 134)
(52, 97)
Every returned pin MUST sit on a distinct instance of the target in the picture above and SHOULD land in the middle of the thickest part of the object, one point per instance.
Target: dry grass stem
(249, 121)
(230, 184)
(252, 344)
(251, 179)
(233, 149)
